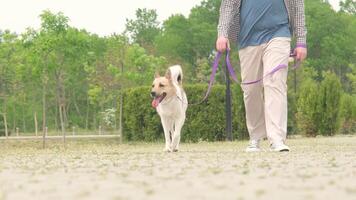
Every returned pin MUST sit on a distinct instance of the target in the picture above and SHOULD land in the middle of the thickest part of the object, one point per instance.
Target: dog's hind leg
(176, 136)
(167, 124)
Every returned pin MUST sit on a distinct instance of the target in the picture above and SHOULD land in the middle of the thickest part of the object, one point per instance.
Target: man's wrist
(301, 45)
(301, 42)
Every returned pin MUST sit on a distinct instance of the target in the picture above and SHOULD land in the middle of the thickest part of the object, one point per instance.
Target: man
(263, 30)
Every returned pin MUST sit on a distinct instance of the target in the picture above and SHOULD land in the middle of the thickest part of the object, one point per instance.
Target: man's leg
(251, 69)
(276, 52)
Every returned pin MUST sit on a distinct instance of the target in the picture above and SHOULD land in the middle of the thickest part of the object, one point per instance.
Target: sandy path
(321, 168)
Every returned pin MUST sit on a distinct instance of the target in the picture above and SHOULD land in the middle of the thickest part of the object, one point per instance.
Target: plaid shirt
(229, 21)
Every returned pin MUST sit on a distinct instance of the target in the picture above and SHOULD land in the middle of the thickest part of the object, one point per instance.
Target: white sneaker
(253, 146)
(279, 147)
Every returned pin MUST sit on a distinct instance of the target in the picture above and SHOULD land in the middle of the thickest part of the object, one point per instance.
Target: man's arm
(300, 31)
(225, 19)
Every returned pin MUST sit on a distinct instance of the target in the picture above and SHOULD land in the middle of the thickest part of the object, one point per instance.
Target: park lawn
(316, 168)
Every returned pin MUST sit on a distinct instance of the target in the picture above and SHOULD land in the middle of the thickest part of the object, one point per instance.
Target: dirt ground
(318, 168)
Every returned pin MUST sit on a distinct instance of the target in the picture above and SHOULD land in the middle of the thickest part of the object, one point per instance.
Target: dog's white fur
(172, 109)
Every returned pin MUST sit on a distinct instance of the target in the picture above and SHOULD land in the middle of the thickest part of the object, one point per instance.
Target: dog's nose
(153, 94)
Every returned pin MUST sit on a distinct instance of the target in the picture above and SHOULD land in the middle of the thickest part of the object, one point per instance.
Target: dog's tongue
(155, 102)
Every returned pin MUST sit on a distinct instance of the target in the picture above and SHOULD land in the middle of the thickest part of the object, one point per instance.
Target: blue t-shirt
(262, 20)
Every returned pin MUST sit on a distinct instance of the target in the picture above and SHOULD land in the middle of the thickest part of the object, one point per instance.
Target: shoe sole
(251, 151)
(284, 150)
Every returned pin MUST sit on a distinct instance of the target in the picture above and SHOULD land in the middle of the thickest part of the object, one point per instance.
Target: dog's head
(162, 88)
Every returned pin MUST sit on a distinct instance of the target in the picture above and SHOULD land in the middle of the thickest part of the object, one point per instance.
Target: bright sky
(97, 16)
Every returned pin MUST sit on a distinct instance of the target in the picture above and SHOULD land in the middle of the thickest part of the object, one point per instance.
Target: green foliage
(144, 28)
(331, 38)
(348, 114)
(172, 42)
(59, 65)
(329, 93)
(108, 118)
(192, 38)
(54, 23)
(2, 126)
(307, 108)
(351, 78)
(141, 123)
(205, 121)
(318, 106)
(348, 6)
(204, 19)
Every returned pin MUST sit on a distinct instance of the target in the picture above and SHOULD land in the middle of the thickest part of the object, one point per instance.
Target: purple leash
(233, 75)
(212, 77)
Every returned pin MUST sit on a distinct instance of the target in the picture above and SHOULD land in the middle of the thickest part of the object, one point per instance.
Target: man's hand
(300, 53)
(222, 43)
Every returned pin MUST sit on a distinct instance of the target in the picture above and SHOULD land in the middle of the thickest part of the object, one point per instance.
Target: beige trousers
(266, 101)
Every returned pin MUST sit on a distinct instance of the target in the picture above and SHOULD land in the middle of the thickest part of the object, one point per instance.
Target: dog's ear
(168, 75)
(157, 75)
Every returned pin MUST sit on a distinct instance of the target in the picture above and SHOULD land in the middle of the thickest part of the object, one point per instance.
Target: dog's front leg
(167, 124)
(176, 136)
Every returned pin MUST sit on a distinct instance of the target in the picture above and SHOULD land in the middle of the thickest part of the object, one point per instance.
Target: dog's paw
(175, 150)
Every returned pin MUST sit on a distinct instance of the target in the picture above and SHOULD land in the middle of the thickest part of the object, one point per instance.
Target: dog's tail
(176, 74)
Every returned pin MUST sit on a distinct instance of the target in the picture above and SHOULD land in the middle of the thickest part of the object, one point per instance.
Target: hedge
(330, 93)
(324, 109)
(203, 122)
(316, 109)
(307, 116)
(348, 114)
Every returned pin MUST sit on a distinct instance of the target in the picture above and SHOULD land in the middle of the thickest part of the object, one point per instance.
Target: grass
(316, 168)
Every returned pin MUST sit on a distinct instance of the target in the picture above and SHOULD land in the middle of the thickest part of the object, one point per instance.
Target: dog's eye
(153, 85)
(161, 85)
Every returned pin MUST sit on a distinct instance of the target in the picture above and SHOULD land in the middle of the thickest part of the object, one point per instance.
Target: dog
(170, 102)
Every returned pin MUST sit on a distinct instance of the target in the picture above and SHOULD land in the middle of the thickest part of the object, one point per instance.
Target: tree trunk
(65, 115)
(5, 124)
(14, 118)
(61, 104)
(44, 109)
(23, 120)
(121, 97)
(76, 106)
(56, 116)
(87, 115)
(94, 120)
(120, 117)
(62, 123)
(36, 124)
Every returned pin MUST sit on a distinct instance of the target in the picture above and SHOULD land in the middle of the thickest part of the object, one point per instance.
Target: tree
(348, 6)
(331, 45)
(144, 28)
(204, 20)
(174, 40)
(8, 64)
(63, 51)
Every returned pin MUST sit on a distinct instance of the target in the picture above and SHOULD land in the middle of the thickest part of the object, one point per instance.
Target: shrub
(205, 121)
(140, 121)
(307, 108)
(348, 114)
(329, 102)
(316, 111)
